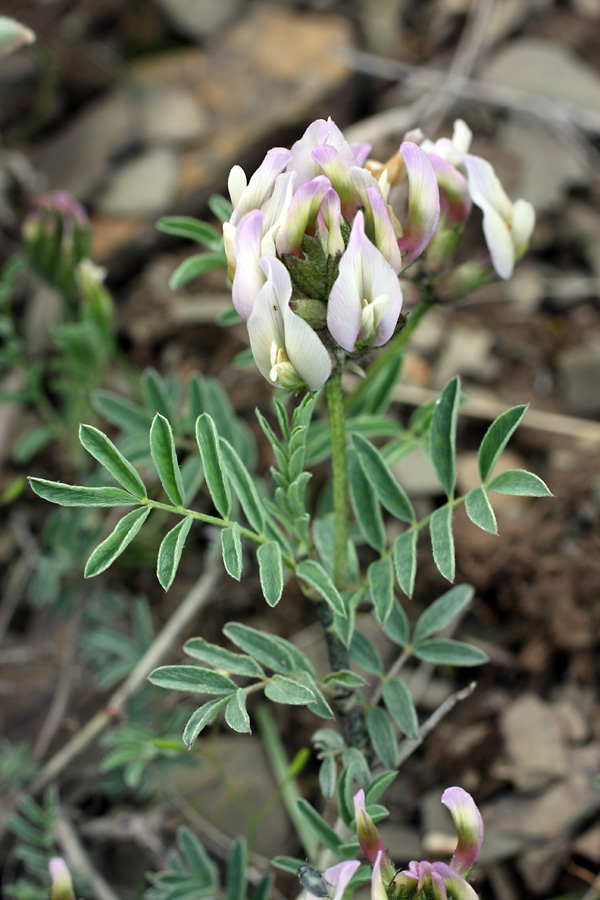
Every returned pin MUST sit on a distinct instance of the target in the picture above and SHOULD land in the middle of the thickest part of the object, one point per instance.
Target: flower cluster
(434, 881)
(315, 249)
(56, 237)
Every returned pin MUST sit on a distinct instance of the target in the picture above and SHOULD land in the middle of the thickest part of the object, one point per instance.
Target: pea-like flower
(366, 299)
(464, 178)
(287, 351)
(424, 880)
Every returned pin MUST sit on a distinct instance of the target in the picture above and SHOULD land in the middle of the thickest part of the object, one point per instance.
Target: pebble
(579, 380)
(546, 69)
(466, 351)
(198, 19)
(172, 115)
(141, 186)
(533, 743)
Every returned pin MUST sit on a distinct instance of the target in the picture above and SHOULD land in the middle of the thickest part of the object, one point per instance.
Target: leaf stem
(335, 403)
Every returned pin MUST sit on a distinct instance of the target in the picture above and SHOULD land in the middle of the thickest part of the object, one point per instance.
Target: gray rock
(533, 742)
(546, 170)
(141, 186)
(579, 379)
(198, 19)
(171, 115)
(466, 351)
(78, 159)
(417, 475)
(545, 69)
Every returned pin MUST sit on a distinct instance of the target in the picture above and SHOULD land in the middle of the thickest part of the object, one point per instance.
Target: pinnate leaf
(405, 561)
(446, 652)
(169, 553)
(519, 483)
(164, 457)
(270, 568)
(104, 451)
(442, 541)
(479, 510)
(496, 438)
(77, 495)
(383, 739)
(231, 547)
(391, 495)
(192, 678)
(286, 690)
(112, 547)
(236, 714)
(443, 611)
(201, 717)
(208, 443)
(380, 576)
(313, 574)
(399, 703)
(443, 435)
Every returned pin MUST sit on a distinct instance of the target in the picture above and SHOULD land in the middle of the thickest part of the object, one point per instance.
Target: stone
(141, 186)
(416, 474)
(78, 159)
(466, 351)
(171, 115)
(546, 170)
(533, 743)
(544, 69)
(579, 379)
(198, 19)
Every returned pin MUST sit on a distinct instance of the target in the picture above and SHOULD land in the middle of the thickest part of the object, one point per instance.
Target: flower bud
(62, 885)
(56, 236)
(370, 840)
(469, 825)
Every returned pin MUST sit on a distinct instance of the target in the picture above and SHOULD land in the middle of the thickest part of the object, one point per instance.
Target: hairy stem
(335, 403)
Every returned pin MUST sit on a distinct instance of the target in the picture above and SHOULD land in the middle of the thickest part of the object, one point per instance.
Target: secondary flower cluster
(422, 880)
(315, 250)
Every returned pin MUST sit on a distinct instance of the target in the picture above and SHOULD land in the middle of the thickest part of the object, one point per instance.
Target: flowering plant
(319, 255)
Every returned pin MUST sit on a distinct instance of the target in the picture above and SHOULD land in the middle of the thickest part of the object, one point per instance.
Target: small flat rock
(198, 19)
(579, 378)
(78, 159)
(540, 866)
(466, 351)
(141, 186)
(533, 742)
(545, 69)
(549, 815)
(546, 170)
(417, 475)
(171, 115)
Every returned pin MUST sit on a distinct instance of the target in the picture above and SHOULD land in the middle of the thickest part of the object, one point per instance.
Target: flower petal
(378, 888)
(301, 215)
(260, 185)
(287, 351)
(469, 825)
(249, 276)
(369, 838)
(456, 886)
(384, 236)
(340, 876)
(455, 199)
(364, 277)
(236, 184)
(329, 223)
(522, 226)
(423, 202)
(337, 170)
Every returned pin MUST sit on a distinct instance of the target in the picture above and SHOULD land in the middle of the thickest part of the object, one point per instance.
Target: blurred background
(139, 110)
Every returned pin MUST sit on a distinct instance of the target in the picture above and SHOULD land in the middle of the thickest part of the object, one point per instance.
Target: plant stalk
(335, 403)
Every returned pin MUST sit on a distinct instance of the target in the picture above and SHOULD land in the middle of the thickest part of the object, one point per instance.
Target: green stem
(335, 402)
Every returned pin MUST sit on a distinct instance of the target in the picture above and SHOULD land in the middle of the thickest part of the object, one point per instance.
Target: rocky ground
(140, 110)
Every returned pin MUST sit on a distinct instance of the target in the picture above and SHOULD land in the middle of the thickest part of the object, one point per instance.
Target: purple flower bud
(469, 825)
(62, 885)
